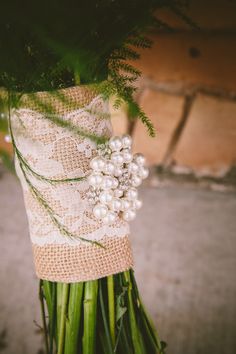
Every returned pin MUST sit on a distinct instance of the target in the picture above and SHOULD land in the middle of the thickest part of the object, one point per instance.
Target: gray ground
(184, 243)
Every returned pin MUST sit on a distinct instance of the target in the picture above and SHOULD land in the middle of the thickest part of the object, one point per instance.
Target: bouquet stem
(104, 316)
(111, 307)
(73, 317)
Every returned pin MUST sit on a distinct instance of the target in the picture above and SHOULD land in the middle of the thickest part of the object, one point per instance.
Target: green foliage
(44, 43)
(83, 318)
(48, 45)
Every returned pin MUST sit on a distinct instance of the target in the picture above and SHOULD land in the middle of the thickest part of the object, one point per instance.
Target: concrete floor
(184, 244)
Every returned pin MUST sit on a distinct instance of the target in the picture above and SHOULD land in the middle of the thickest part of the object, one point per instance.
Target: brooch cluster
(116, 174)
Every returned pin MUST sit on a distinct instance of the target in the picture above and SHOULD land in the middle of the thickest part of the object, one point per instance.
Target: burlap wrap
(49, 152)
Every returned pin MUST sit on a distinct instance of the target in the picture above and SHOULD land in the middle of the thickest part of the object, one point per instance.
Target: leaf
(120, 311)
(120, 301)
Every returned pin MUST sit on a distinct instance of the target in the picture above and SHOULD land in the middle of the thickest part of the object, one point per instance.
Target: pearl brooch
(115, 175)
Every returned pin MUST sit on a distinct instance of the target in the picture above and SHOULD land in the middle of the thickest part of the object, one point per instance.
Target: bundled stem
(73, 317)
(104, 316)
(111, 307)
(63, 316)
(90, 315)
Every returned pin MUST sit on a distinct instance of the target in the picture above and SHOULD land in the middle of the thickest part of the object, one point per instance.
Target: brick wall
(188, 89)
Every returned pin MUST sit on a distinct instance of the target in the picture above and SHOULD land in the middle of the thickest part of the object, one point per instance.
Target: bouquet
(59, 65)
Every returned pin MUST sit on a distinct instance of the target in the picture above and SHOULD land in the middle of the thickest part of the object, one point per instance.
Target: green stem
(59, 306)
(111, 307)
(53, 316)
(135, 334)
(90, 316)
(125, 342)
(73, 318)
(107, 336)
(47, 294)
(43, 315)
(77, 78)
(61, 336)
(148, 324)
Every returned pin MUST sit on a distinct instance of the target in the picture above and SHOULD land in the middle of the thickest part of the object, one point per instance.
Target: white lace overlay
(55, 152)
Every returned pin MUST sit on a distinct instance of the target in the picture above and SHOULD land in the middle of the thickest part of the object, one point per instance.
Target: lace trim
(57, 238)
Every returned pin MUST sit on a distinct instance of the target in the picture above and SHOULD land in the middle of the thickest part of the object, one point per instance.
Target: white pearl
(115, 143)
(115, 183)
(107, 182)
(129, 215)
(7, 138)
(127, 156)
(97, 163)
(143, 172)
(109, 218)
(137, 204)
(100, 211)
(136, 181)
(106, 197)
(131, 193)
(118, 193)
(133, 167)
(116, 204)
(139, 159)
(126, 141)
(118, 172)
(117, 158)
(109, 168)
(126, 204)
(95, 180)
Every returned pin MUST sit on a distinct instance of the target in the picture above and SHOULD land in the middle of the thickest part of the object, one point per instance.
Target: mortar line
(176, 135)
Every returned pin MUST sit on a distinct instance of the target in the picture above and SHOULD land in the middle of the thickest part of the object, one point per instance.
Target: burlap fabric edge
(81, 262)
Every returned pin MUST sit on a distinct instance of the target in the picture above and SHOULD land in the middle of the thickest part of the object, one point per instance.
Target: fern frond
(135, 111)
(140, 41)
(120, 65)
(125, 53)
